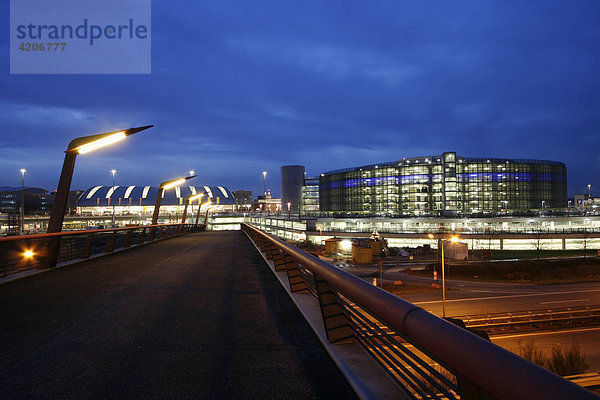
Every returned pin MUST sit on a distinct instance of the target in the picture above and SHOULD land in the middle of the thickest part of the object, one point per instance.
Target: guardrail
(553, 314)
(21, 253)
(443, 361)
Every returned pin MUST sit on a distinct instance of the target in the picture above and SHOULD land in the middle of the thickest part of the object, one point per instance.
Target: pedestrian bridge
(233, 314)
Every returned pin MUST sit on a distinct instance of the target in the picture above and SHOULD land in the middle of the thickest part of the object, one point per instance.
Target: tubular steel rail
(430, 358)
(554, 314)
(21, 253)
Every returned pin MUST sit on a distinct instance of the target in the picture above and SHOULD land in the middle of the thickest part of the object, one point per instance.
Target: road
(198, 316)
(473, 297)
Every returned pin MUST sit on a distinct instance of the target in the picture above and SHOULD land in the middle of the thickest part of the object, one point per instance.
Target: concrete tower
(292, 181)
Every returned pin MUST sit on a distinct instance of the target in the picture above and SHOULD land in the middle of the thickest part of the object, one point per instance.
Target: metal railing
(495, 323)
(429, 357)
(21, 253)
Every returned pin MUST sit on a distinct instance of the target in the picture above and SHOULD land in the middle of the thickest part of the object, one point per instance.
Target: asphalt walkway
(199, 317)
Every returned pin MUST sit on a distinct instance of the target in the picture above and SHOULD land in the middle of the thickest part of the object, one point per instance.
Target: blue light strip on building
(464, 177)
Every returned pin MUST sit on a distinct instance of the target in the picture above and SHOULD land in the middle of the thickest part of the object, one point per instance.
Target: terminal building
(140, 200)
(444, 185)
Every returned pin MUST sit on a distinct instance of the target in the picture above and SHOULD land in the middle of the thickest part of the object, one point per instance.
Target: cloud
(41, 115)
(336, 62)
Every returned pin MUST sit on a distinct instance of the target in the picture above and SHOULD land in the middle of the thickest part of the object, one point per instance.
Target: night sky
(238, 87)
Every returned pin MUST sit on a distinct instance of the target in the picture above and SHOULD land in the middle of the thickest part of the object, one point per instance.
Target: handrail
(28, 252)
(69, 233)
(499, 372)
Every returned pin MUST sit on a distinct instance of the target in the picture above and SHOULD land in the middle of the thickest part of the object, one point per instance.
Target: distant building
(267, 203)
(37, 200)
(444, 185)
(243, 199)
(586, 202)
(72, 200)
(99, 200)
(309, 205)
(299, 191)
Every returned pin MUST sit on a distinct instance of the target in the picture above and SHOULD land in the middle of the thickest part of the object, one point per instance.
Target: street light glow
(192, 172)
(28, 254)
(454, 239)
(174, 183)
(105, 141)
(196, 196)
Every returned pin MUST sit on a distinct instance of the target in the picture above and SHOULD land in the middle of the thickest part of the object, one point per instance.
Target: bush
(562, 360)
(532, 353)
(567, 361)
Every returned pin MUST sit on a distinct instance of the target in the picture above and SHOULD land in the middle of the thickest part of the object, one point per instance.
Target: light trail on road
(563, 301)
(507, 296)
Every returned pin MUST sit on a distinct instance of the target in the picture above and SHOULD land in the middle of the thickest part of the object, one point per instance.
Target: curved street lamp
(208, 203)
(166, 185)
(209, 208)
(81, 145)
(187, 203)
(441, 241)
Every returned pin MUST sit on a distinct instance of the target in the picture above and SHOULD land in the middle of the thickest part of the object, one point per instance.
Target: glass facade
(444, 185)
(310, 197)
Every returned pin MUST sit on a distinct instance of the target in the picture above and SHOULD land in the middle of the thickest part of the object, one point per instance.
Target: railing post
(110, 246)
(142, 236)
(295, 278)
(128, 238)
(54, 250)
(269, 251)
(337, 325)
(278, 260)
(87, 247)
(260, 242)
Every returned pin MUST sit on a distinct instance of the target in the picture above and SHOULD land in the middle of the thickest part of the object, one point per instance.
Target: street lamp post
(441, 249)
(161, 189)
(23, 170)
(264, 182)
(113, 172)
(187, 202)
(166, 185)
(77, 146)
(206, 215)
(200, 204)
(289, 204)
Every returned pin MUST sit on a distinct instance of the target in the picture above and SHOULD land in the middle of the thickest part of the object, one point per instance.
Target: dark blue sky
(238, 87)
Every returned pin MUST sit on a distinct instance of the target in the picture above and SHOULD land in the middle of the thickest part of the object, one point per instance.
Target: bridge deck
(198, 316)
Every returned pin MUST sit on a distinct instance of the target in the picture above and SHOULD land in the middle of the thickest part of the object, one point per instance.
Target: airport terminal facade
(444, 185)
